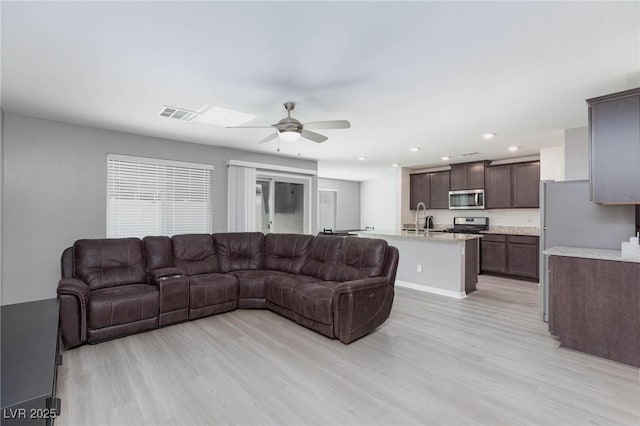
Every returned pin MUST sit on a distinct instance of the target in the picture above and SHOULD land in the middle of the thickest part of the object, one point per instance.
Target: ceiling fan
(289, 129)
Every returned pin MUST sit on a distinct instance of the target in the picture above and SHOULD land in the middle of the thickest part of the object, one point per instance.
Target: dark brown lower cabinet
(493, 253)
(515, 255)
(594, 307)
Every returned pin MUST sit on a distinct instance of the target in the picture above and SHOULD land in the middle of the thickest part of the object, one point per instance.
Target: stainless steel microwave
(466, 199)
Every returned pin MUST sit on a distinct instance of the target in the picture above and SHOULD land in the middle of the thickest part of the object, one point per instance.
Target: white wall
(347, 204)
(55, 192)
(552, 163)
(380, 202)
(576, 153)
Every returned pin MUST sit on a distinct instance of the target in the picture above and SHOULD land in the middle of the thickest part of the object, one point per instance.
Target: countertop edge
(589, 253)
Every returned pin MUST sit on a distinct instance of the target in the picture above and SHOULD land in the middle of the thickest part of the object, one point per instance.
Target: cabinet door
(522, 259)
(440, 190)
(475, 175)
(419, 190)
(526, 184)
(493, 256)
(458, 177)
(498, 187)
(615, 150)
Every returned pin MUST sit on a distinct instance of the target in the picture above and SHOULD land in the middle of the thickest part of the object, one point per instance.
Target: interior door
(328, 204)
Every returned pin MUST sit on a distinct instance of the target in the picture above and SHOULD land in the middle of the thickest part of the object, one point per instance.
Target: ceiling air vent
(178, 113)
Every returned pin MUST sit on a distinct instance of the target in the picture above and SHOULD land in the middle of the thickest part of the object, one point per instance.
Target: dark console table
(30, 359)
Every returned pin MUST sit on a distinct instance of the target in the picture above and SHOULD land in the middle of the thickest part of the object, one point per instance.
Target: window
(157, 197)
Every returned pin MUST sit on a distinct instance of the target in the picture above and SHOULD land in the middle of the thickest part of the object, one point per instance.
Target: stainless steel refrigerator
(569, 218)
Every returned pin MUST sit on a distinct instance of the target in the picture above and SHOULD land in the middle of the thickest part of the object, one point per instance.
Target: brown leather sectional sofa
(340, 287)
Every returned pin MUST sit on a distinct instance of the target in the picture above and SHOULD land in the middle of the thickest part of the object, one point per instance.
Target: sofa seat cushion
(212, 289)
(279, 290)
(122, 305)
(252, 282)
(314, 301)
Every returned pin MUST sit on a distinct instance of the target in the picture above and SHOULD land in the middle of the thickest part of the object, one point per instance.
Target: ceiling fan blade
(333, 124)
(269, 138)
(248, 127)
(313, 136)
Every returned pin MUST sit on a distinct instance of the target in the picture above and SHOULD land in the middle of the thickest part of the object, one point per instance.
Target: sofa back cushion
(195, 254)
(239, 250)
(158, 253)
(323, 256)
(107, 263)
(360, 258)
(286, 252)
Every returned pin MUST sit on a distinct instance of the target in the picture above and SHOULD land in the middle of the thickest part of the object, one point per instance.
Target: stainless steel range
(469, 225)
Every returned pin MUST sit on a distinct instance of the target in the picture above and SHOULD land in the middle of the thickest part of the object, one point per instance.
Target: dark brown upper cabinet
(614, 130)
(430, 188)
(514, 185)
(467, 176)
(497, 190)
(526, 185)
(419, 190)
(440, 190)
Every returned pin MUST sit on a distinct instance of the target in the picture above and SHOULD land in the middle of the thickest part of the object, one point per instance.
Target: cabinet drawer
(522, 239)
(494, 237)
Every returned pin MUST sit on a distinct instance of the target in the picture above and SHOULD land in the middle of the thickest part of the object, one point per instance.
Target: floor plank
(487, 359)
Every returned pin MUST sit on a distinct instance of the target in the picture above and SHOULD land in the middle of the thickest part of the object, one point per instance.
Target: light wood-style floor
(487, 359)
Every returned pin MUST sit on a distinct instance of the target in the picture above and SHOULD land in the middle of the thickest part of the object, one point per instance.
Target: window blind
(157, 197)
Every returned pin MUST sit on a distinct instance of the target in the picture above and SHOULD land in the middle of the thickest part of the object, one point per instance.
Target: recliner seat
(340, 287)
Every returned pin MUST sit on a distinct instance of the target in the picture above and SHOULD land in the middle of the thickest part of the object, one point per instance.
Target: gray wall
(1, 187)
(55, 192)
(576, 154)
(348, 201)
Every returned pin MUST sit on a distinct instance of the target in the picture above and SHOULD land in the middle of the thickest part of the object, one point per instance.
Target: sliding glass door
(282, 204)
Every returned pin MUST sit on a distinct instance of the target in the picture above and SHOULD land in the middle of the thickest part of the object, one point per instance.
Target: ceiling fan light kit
(289, 129)
(289, 136)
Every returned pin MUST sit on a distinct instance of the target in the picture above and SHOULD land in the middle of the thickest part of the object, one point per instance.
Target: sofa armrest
(75, 287)
(361, 285)
(74, 298)
(360, 306)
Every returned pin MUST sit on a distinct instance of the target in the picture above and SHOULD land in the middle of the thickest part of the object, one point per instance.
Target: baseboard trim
(433, 290)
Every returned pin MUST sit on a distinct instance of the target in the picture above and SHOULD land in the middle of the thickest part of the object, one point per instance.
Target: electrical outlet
(419, 268)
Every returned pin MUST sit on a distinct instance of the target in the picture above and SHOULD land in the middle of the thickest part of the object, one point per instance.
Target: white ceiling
(429, 74)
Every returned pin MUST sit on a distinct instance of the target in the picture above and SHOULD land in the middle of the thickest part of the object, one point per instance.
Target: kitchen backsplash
(507, 218)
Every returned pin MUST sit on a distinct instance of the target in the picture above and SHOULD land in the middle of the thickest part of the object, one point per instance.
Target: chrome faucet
(424, 209)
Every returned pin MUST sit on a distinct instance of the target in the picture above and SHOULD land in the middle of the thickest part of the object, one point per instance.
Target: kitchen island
(594, 302)
(436, 262)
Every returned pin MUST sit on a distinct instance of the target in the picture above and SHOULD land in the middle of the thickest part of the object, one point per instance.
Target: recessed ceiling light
(395, 165)
(445, 158)
(362, 158)
(488, 136)
(415, 149)
(513, 148)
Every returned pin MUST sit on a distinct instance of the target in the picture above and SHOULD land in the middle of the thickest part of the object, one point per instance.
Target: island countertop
(428, 237)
